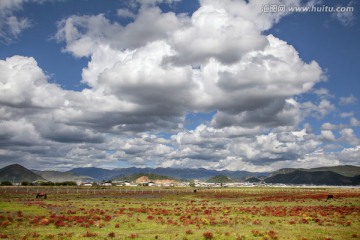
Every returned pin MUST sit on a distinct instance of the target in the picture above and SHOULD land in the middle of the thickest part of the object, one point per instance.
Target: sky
(254, 85)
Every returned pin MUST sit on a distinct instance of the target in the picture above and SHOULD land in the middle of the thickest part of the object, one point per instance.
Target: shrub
(208, 235)
(272, 234)
(89, 234)
(133, 235)
(3, 236)
(35, 235)
(6, 183)
(256, 233)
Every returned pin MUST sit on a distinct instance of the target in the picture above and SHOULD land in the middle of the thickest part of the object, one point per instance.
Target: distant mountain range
(338, 175)
(133, 177)
(185, 174)
(56, 176)
(19, 174)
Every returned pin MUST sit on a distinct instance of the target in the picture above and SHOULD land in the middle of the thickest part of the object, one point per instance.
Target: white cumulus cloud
(144, 77)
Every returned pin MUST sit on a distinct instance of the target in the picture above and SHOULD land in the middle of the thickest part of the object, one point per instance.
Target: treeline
(66, 183)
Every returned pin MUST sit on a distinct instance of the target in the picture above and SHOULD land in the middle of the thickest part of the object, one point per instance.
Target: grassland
(145, 213)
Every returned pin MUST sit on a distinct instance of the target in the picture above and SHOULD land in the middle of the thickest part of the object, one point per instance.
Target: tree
(6, 183)
(25, 183)
(192, 183)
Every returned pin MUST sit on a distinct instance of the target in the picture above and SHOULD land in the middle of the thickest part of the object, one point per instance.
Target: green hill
(313, 178)
(17, 173)
(345, 170)
(219, 179)
(253, 180)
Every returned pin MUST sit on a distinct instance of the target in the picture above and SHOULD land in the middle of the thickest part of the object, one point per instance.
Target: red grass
(208, 235)
(89, 234)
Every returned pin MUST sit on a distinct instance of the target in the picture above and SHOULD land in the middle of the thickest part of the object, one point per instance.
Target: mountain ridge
(315, 176)
(151, 176)
(18, 173)
(177, 173)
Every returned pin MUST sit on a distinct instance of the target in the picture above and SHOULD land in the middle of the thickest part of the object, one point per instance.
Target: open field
(152, 213)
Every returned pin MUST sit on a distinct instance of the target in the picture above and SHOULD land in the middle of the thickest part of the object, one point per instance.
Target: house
(87, 184)
(106, 184)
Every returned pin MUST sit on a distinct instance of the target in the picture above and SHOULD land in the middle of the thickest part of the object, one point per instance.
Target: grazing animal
(40, 195)
(330, 197)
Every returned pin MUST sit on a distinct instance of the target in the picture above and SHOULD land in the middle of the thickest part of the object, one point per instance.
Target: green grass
(241, 213)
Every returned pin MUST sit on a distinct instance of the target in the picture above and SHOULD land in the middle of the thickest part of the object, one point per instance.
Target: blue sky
(179, 83)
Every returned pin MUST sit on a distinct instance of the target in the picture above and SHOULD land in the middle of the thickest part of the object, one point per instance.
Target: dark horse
(41, 194)
(330, 197)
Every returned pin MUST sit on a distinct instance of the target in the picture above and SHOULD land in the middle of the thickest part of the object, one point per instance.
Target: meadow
(153, 213)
